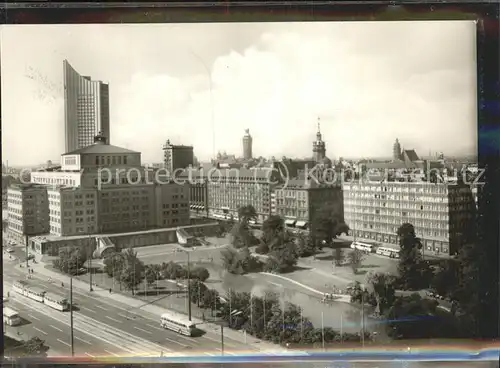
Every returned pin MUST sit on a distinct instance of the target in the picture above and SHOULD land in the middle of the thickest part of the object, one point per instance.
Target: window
(124, 160)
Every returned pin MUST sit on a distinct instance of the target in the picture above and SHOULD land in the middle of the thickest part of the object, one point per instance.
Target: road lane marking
(156, 327)
(129, 317)
(87, 354)
(87, 309)
(55, 328)
(98, 306)
(140, 329)
(30, 305)
(176, 342)
(63, 342)
(218, 340)
(85, 341)
(32, 316)
(35, 328)
(109, 352)
(108, 317)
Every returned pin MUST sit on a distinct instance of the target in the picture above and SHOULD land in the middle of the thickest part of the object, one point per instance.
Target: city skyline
(368, 82)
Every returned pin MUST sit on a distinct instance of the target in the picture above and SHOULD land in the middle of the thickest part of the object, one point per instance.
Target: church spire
(318, 134)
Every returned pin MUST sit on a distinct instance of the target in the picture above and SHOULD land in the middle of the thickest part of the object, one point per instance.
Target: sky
(204, 84)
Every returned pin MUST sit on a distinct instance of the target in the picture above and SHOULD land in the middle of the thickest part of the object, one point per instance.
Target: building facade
(177, 157)
(103, 188)
(230, 189)
(28, 211)
(247, 145)
(72, 210)
(86, 109)
(440, 213)
(300, 203)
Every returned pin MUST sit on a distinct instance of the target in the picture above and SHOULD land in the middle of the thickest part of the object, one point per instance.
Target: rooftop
(100, 149)
(27, 186)
(306, 184)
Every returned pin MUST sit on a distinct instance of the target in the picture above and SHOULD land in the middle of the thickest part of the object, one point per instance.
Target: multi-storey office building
(196, 178)
(72, 210)
(177, 157)
(300, 201)
(104, 188)
(230, 189)
(86, 109)
(28, 211)
(442, 214)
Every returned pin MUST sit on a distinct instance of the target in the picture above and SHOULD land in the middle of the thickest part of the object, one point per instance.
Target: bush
(200, 273)
(262, 249)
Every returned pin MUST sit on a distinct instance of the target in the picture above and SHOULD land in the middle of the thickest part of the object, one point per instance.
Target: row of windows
(54, 181)
(111, 160)
(419, 188)
(397, 215)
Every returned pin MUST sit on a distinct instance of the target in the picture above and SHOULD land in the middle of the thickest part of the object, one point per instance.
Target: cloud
(369, 83)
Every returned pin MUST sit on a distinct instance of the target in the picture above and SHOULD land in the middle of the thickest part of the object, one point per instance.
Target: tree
(36, 347)
(414, 273)
(445, 279)
(113, 265)
(272, 227)
(383, 290)
(247, 213)
(283, 255)
(210, 299)
(412, 317)
(149, 274)
(326, 227)
(71, 259)
(131, 275)
(239, 261)
(304, 244)
(198, 289)
(339, 256)
(200, 273)
(242, 236)
(173, 271)
(470, 301)
(355, 258)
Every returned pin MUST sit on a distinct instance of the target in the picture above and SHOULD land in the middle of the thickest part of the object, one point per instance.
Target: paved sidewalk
(155, 310)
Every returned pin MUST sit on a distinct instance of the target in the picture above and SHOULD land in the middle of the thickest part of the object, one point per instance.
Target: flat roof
(51, 237)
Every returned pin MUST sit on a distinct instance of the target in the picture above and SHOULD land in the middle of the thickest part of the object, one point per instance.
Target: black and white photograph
(223, 189)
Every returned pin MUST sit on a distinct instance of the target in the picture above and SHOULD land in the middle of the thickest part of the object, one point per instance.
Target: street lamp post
(189, 286)
(71, 315)
(188, 281)
(222, 339)
(27, 258)
(90, 264)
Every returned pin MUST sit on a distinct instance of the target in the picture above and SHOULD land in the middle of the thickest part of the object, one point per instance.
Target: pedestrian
(8, 294)
(62, 284)
(110, 290)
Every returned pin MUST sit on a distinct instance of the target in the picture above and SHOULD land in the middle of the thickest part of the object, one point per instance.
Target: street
(97, 319)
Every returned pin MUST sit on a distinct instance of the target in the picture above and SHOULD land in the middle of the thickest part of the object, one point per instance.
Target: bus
(11, 317)
(35, 293)
(20, 287)
(365, 247)
(177, 323)
(56, 301)
(388, 252)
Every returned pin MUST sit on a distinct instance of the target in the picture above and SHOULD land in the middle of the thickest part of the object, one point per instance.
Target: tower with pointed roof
(396, 150)
(319, 147)
(247, 145)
